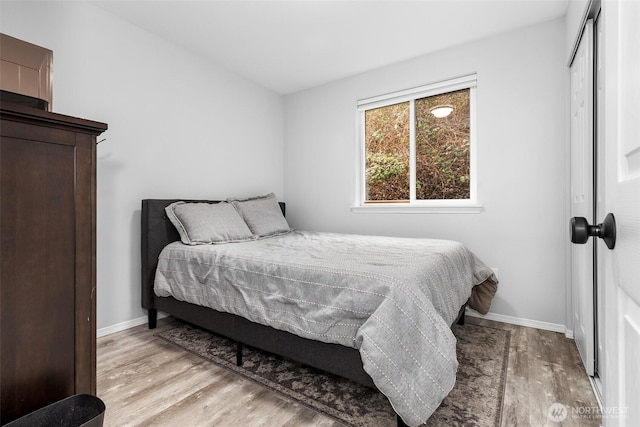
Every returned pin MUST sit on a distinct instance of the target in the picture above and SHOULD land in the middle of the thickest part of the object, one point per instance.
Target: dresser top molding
(17, 112)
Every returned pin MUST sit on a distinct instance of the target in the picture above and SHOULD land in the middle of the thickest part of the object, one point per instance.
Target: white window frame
(469, 205)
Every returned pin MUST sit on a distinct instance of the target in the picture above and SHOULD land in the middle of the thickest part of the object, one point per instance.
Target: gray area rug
(476, 399)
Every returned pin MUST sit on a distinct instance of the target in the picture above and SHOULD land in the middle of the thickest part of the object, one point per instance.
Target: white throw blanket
(393, 299)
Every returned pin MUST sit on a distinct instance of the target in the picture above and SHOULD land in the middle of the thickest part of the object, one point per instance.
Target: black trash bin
(80, 410)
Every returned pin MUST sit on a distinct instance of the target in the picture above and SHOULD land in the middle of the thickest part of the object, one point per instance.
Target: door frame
(598, 203)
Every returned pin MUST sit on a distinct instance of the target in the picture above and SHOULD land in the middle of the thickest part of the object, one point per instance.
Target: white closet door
(582, 194)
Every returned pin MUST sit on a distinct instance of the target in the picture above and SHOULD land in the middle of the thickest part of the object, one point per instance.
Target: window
(417, 148)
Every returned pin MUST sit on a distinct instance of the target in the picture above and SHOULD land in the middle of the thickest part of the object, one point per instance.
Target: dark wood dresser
(47, 258)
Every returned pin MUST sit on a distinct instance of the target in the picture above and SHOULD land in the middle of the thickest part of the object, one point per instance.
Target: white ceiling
(292, 45)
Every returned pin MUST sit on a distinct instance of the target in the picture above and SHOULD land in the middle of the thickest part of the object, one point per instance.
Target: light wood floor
(146, 381)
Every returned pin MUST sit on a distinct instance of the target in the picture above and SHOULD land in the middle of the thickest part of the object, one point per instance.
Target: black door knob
(581, 230)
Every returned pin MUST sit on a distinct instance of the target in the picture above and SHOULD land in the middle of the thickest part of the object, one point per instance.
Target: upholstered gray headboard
(156, 233)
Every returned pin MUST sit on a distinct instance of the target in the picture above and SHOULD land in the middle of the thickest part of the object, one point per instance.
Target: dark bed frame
(158, 231)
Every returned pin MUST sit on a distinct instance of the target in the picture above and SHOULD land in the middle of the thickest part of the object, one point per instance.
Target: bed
(364, 345)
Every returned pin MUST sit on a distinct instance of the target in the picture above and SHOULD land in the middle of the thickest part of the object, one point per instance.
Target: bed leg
(153, 318)
(400, 422)
(238, 353)
(461, 318)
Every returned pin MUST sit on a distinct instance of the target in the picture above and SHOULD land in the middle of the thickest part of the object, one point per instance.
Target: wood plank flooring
(145, 381)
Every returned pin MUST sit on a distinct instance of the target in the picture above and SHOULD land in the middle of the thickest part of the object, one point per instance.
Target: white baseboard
(125, 325)
(554, 327)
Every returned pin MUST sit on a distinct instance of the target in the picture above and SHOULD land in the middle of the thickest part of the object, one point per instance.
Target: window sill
(399, 209)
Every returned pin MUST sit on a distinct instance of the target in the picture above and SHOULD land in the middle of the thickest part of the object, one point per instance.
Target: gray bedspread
(393, 299)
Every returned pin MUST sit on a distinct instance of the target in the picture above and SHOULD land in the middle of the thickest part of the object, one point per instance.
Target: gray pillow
(208, 223)
(263, 215)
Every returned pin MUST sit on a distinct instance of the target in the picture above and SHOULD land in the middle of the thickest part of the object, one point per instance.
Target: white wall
(521, 124)
(178, 127)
